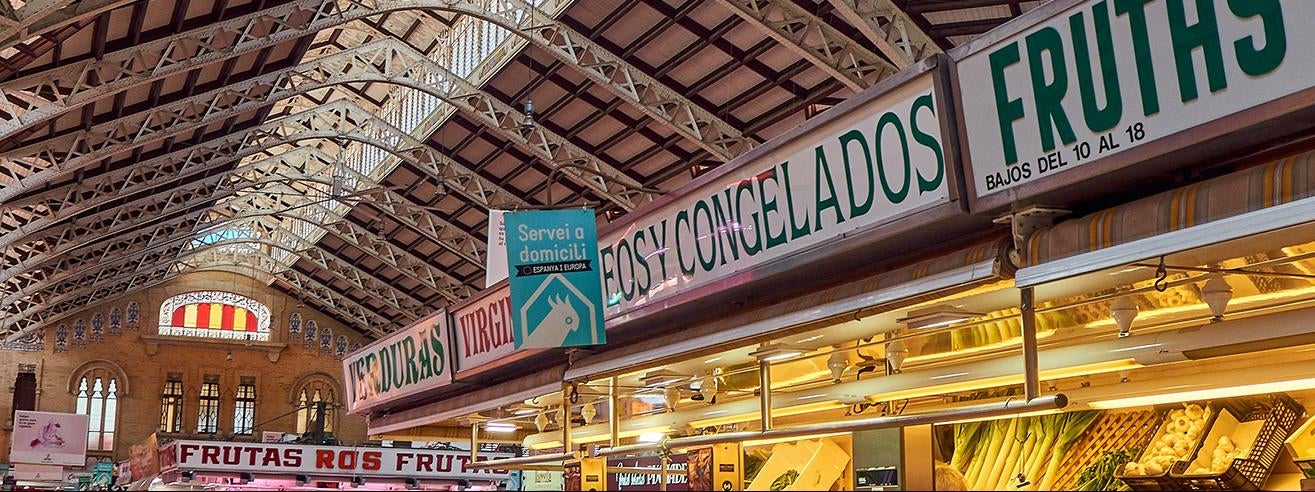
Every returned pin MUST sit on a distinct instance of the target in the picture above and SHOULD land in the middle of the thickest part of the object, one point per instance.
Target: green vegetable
(785, 480)
(1075, 424)
(753, 463)
(1100, 475)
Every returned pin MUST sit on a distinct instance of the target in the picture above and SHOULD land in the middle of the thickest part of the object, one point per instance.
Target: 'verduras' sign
(1105, 76)
(406, 362)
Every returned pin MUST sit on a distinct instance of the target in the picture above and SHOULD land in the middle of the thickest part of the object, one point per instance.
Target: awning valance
(1278, 194)
(530, 385)
(959, 270)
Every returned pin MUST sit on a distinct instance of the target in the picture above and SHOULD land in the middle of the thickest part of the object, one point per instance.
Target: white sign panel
(495, 262)
(38, 473)
(49, 438)
(428, 464)
(1102, 77)
(883, 160)
(484, 330)
(409, 361)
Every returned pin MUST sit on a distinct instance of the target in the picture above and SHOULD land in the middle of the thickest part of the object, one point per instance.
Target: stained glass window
(207, 416)
(214, 314)
(171, 405)
(244, 408)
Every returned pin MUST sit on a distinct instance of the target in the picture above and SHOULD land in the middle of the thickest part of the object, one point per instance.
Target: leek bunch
(993, 454)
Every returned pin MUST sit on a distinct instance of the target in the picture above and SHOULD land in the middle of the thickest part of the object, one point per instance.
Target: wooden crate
(1113, 431)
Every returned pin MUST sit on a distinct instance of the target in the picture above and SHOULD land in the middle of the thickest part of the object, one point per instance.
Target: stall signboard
(425, 464)
(882, 160)
(495, 255)
(484, 330)
(143, 457)
(409, 361)
(49, 438)
(626, 476)
(1098, 78)
(552, 259)
(38, 473)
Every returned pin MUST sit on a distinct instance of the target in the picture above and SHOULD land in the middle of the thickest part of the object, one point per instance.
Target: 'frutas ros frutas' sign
(406, 362)
(556, 299)
(329, 460)
(882, 160)
(1102, 77)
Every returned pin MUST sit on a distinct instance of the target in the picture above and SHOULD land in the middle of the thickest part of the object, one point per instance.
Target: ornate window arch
(308, 392)
(98, 386)
(215, 314)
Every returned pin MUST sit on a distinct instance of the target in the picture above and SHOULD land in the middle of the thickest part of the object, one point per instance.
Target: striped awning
(1272, 196)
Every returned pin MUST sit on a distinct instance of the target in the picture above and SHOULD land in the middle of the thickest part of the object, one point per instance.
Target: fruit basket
(1150, 471)
(1239, 453)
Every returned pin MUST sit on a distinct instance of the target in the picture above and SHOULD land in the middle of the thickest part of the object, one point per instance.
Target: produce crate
(1115, 431)
(1302, 448)
(1164, 481)
(1280, 415)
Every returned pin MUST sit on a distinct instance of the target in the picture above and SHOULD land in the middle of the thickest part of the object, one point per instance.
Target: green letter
(822, 171)
(747, 185)
(1049, 97)
(711, 262)
(1257, 62)
(893, 196)
(769, 206)
(924, 184)
(1141, 47)
(856, 209)
(683, 216)
(1007, 110)
(1098, 119)
(796, 231)
(1205, 35)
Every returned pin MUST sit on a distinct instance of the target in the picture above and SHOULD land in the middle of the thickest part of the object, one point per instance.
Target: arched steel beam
(814, 40)
(386, 61)
(41, 16)
(53, 206)
(201, 259)
(252, 205)
(181, 200)
(889, 28)
(345, 121)
(41, 96)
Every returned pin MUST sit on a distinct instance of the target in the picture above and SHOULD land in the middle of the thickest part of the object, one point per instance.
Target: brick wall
(147, 359)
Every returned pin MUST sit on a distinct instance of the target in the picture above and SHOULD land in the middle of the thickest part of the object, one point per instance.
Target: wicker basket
(1281, 415)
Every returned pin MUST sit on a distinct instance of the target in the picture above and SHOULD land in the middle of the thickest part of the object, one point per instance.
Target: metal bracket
(1024, 222)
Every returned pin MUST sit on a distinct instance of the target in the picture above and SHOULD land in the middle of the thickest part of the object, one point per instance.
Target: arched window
(98, 386)
(214, 314)
(315, 392)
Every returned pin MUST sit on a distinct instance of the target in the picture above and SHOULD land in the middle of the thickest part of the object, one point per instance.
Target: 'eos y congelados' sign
(1104, 76)
(880, 161)
(408, 361)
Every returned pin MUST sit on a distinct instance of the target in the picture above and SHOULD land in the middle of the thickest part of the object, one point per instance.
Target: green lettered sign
(409, 361)
(556, 297)
(1102, 77)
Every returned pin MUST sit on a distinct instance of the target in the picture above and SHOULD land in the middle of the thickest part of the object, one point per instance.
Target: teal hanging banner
(556, 292)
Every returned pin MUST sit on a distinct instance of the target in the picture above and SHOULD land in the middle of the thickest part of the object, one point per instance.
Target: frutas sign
(1102, 77)
(409, 361)
(484, 329)
(883, 160)
(330, 460)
